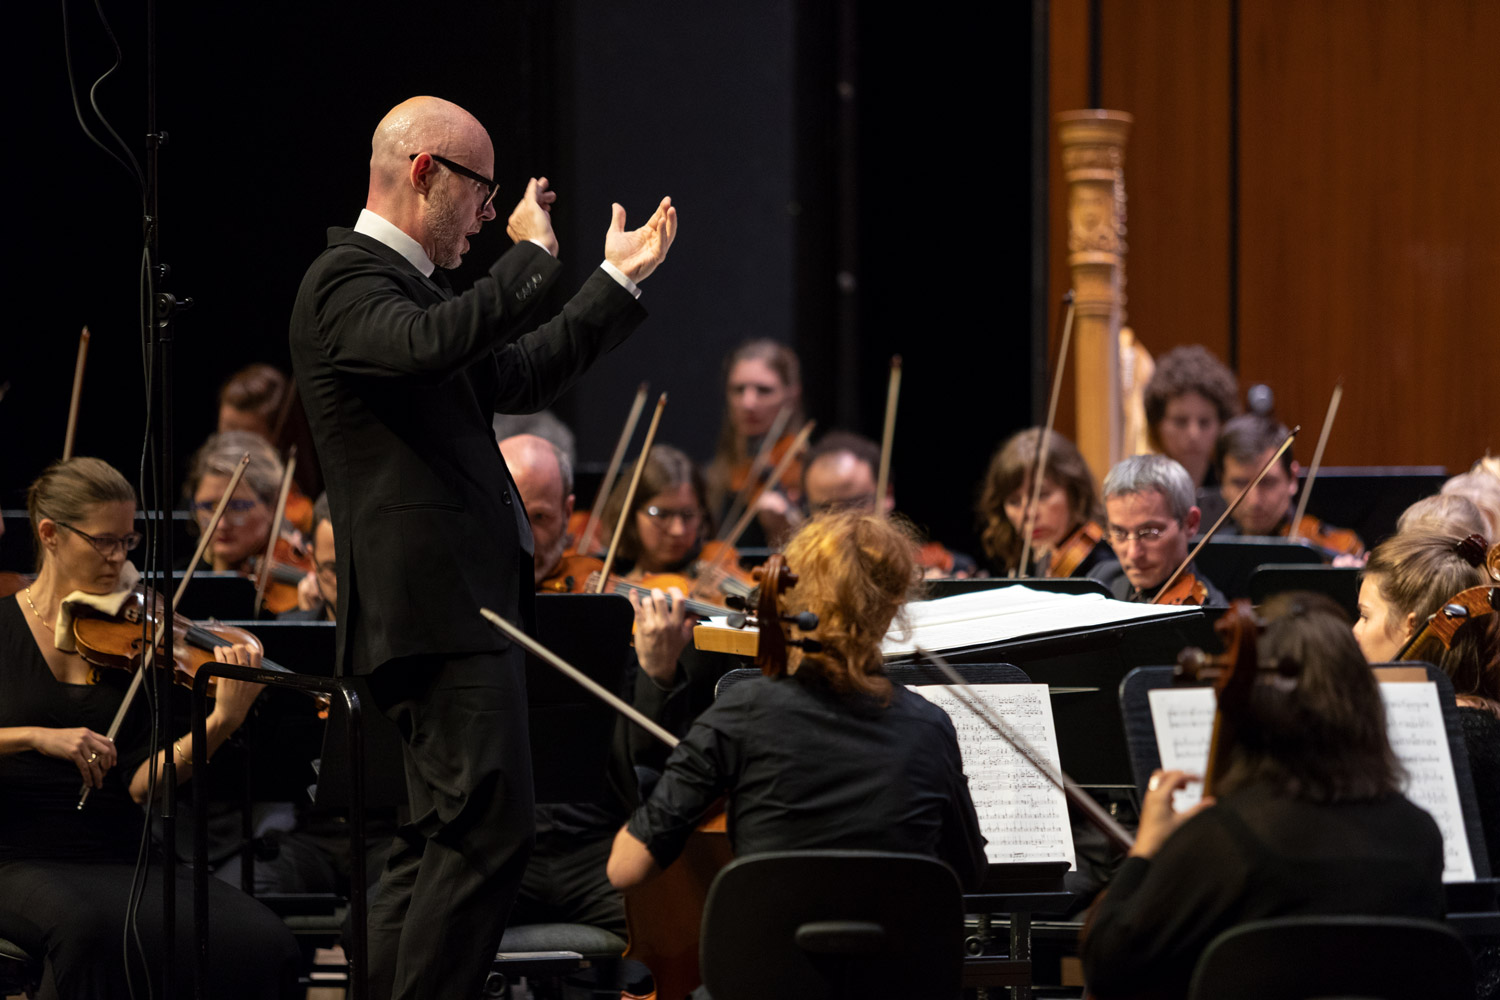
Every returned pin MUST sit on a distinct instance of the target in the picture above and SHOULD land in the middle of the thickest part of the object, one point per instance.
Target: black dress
(1254, 856)
(805, 769)
(66, 873)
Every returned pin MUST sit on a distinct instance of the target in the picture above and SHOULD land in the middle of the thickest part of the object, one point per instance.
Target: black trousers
(453, 871)
(74, 914)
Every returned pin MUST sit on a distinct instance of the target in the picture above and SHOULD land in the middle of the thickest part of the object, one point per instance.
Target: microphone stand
(161, 307)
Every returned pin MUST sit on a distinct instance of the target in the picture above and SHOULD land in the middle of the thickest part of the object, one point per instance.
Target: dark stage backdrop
(733, 110)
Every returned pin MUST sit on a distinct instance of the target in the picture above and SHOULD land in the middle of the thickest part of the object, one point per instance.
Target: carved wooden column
(1093, 156)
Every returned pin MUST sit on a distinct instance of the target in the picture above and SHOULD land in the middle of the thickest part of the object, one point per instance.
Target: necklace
(35, 611)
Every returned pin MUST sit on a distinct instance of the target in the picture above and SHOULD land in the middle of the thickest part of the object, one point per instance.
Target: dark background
(916, 180)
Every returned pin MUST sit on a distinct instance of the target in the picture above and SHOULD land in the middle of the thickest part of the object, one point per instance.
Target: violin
(1463, 607)
(1187, 589)
(790, 478)
(572, 574)
(290, 563)
(1325, 537)
(117, 641)
(1070, 554)
(718, 569)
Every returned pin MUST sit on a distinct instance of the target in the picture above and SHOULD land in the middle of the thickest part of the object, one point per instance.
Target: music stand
(1054, 585)
(1340, 583)
(1228, 562)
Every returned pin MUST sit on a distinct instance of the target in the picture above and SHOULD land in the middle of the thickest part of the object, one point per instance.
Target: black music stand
(1340, 583)
(1370, 499)
(1229, 562)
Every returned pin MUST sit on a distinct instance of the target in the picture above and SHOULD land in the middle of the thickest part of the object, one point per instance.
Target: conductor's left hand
(638, 252)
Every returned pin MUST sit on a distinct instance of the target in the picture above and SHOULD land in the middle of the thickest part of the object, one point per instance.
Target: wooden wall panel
(1369, 222)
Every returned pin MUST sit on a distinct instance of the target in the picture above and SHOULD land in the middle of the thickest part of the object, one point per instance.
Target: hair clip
(1472, 549)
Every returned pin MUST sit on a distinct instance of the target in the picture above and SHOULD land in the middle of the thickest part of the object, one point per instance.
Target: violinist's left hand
(1159, 820)
(661, 634)
(233, 698)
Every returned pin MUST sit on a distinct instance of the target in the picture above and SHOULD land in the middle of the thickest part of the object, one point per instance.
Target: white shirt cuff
(619, 275)
(540, 244)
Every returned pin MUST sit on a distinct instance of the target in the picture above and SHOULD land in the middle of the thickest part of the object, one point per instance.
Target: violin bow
(264, 576)
(798, 446)
(526, 642)
(615, 461)
(83, 354)
(635, 480)
(1096, 814)
(1317, 460)
(1043, 443)
(150, 655)
(1275, 457)
(888, 435)
(752, 478)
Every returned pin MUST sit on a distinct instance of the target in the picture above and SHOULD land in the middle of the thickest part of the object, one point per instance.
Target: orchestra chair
(1378, 958)
(833, 924)
(19, 971)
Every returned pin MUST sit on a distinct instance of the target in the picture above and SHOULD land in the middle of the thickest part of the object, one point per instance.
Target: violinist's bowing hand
(93, 754)
(661, 633)
(309, 597)
(233, 698)
(532, 217)
(1159, 820)
(638, 252)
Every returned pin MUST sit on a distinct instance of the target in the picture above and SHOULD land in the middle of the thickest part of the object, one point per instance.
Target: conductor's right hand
(532, 217)
(94, 754)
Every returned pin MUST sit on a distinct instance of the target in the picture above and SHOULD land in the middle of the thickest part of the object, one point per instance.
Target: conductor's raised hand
(638, 252)
(532, 217)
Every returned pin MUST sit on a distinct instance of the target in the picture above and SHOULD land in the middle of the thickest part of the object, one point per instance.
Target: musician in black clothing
(828, 753)
(1148, 503)
(1307, 820)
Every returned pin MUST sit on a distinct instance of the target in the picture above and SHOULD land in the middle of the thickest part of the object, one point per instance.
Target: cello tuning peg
(804, 620)
(806, 645)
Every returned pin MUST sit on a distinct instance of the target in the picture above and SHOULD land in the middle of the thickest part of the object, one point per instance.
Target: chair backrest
(827, 924)
(1299, 958)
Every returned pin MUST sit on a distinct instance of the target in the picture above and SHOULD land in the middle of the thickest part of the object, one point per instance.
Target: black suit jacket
(400, 380)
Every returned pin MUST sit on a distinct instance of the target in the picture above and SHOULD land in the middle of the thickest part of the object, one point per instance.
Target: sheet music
(1184, 721)
(1183, 718)
(1414, 722)
(1022, 814)
(990, 616)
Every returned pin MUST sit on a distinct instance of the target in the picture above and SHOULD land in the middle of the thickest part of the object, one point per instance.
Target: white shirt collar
(378, 228)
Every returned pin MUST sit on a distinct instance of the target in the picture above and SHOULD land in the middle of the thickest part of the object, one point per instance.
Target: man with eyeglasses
(839, 473)
(400, 378)
(1148, 505)
(318, 591)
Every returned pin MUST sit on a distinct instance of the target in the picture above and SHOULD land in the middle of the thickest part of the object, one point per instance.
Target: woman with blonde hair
(67, 875)
(828, 752)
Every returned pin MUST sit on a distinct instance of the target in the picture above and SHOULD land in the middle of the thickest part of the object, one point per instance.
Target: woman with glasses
(66, 873)
(246, 525)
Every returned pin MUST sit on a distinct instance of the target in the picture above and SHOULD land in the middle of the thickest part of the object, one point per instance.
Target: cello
(663, 916)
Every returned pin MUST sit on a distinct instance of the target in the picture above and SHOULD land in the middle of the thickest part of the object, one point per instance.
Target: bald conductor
(401, 377)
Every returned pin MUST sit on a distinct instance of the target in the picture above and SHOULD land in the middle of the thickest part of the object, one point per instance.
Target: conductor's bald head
(424, 156)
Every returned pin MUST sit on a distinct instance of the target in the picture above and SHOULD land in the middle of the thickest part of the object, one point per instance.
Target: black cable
(132, 167)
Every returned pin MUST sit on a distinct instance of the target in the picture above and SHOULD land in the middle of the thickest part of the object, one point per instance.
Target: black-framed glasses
(687, 515)
(105, 545)
(473, 175)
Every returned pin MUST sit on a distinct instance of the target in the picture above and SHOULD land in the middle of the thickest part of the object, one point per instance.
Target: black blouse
(40, 818)
(805, 769)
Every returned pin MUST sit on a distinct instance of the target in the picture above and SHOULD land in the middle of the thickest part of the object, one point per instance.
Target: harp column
(1093, 158)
